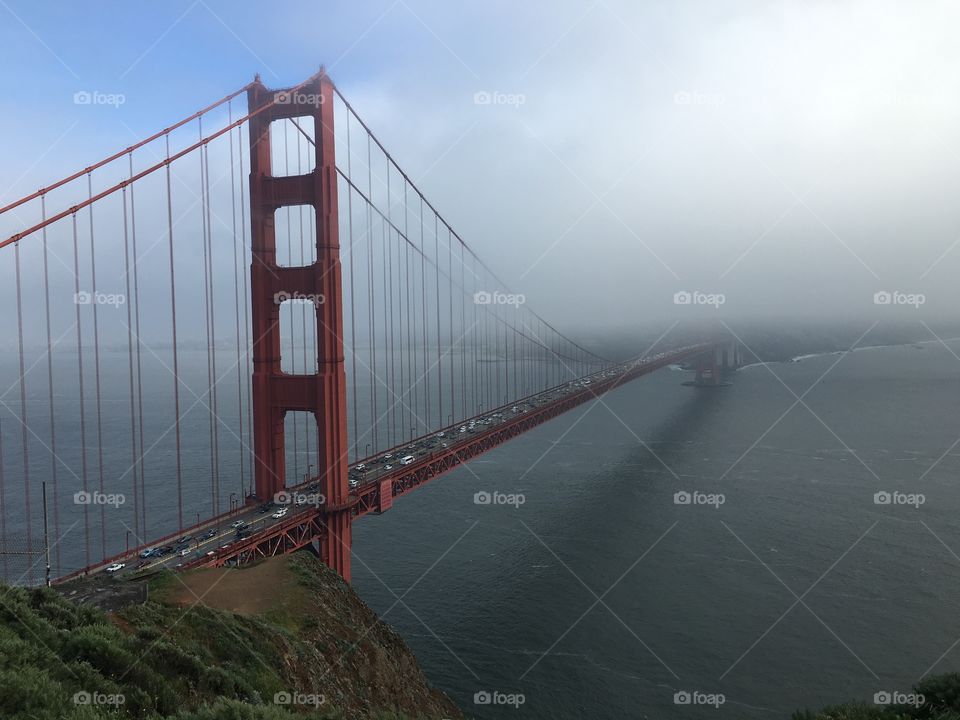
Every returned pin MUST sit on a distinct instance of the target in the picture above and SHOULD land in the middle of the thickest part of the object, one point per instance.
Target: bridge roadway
(375, 481)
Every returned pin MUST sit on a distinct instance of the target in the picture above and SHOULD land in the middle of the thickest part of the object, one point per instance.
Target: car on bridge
(407, 460)
(280, 513)
(116, 567)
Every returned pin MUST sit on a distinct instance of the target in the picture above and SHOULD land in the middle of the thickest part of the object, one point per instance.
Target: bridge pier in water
(275, 392)
(711, 366)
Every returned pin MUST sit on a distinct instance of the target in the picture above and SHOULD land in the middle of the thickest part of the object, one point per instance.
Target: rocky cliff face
(285, 638)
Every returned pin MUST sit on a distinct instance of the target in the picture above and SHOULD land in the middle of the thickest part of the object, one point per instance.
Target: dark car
(185, 539)
(209, 534)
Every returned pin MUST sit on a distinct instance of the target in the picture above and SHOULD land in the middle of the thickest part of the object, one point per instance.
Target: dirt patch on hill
(249, 591)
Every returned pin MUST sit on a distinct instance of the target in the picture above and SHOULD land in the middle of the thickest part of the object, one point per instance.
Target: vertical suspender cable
(96, 366)
(353, 301)
(23, 414)
(388, 286)
(246, 309)
(463, 338)
(453, 336)
(213, 334)
(236, 303)
(176, 361)
(388, 333)
(136, 293)
(133, 405)
(83, 414)
(374, 390)
(206, 311)
(54, 458)
(436, 256)
(412, 382)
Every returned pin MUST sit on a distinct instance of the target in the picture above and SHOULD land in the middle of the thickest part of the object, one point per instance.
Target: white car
(184, 552)
(407, 460)
(115, 567)
(279, 513)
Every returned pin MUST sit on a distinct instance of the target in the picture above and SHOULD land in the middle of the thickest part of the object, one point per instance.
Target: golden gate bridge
(241, 334)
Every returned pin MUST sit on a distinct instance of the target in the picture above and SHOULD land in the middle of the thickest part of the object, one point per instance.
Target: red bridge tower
(274, 392)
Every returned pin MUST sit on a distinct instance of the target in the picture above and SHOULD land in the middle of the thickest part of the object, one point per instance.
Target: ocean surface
(600, 597)
(586, 590)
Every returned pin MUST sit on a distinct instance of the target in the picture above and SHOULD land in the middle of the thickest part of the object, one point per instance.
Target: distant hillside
(285, 638)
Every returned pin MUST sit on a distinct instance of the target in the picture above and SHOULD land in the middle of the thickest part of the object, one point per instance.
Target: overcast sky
(797, 157)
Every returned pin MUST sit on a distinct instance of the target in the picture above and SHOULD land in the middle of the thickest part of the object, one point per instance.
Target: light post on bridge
(233, 496)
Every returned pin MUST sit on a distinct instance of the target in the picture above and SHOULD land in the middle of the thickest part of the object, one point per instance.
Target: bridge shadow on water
(518, 581)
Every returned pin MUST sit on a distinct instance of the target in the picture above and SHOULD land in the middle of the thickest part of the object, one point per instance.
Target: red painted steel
(274, 392)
